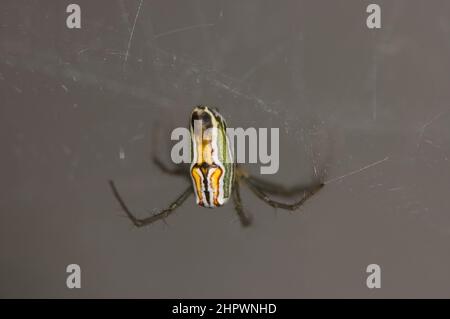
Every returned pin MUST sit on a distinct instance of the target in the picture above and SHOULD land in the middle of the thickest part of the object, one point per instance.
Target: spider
(215, 176)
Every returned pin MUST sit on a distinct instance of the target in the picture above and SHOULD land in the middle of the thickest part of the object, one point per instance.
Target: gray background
(343, 96)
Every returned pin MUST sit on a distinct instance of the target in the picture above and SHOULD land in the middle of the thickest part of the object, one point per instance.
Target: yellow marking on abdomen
(215, 184)
(197, 177)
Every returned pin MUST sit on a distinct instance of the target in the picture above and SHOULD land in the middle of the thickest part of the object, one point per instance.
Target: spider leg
(278, 189)
(168, 170)
(243, 217)
(307, 193)
(160, 215)
(154, 150)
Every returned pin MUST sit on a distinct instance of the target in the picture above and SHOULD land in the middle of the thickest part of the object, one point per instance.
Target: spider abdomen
(212, 167)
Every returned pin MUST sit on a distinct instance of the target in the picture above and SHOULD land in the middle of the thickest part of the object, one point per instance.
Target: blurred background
(369, 108)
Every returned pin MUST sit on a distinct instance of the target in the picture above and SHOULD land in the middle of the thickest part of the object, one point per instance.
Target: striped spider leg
(279, 189)
(260, 191)
(138, 222)
(161, 215)
(245, 219)
(261, 187)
